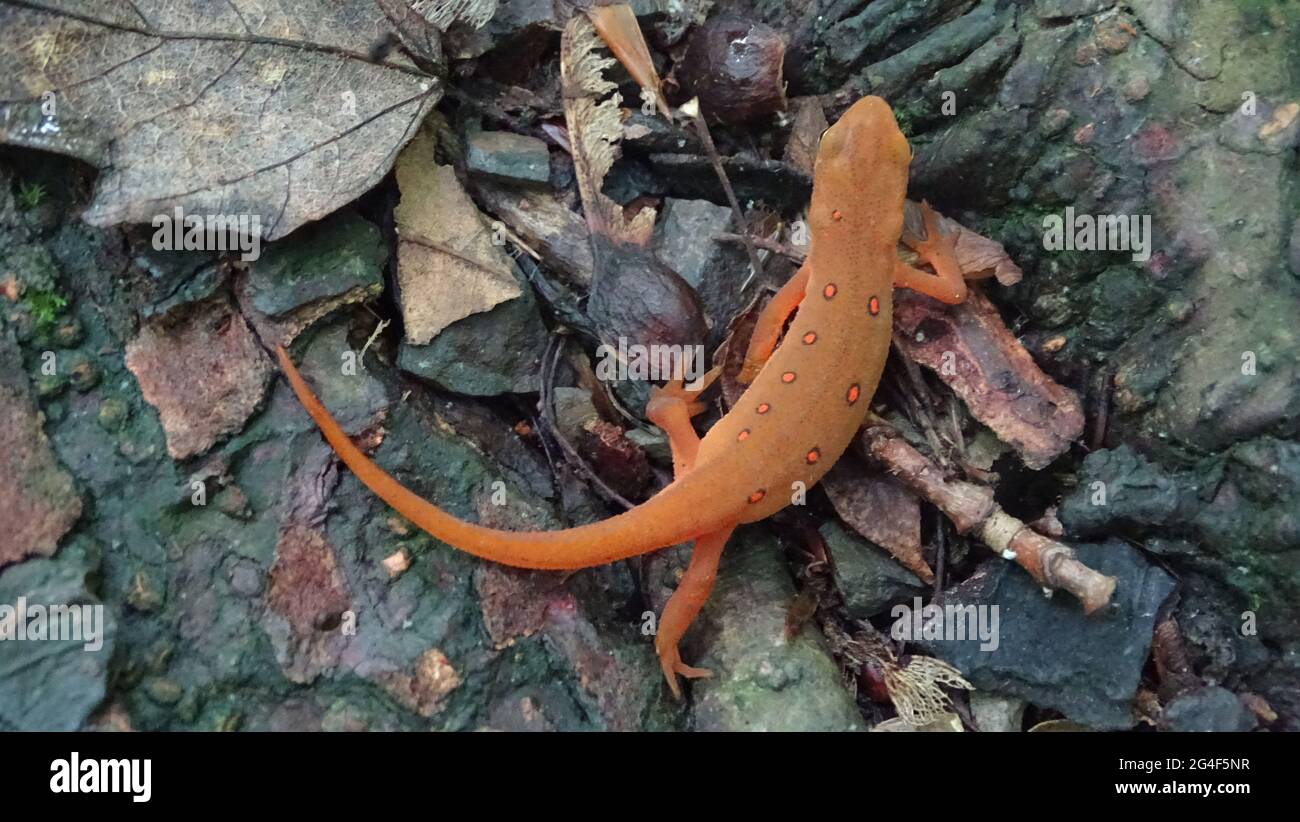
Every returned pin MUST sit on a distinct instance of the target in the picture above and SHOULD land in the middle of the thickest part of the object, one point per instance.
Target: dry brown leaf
(448, 266)
(969, 347)
(616, 23)
(881, 510)
(595, 123)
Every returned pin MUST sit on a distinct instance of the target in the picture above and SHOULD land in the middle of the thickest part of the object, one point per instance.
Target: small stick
(692, 110)
(548, 416)
(972, 510)
(787, 251)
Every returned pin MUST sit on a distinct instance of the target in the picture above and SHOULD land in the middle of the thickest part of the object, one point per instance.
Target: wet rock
(38, 501)
(338, 259)
(1294, 256)
(762, 680)
(997, 714)
(1211, 709)
(1059, 9)
(1269, 129)
(506, 157)
(617, 670)
(1227, 506)
(684, 240)
(868, 578)
(1048, 652)
(306, 599)
(354, 395)
(493, 352)
(1121, 486)
(204, 372)
(574, 411)
(175, 279)
(53, 685)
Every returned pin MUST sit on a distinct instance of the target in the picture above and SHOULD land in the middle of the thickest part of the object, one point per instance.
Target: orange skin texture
(807, 397)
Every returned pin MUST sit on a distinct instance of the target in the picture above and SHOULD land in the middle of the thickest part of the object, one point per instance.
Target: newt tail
(658, 523)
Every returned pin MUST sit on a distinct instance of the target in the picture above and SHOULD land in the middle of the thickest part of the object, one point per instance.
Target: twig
(787, 251)
(549, 362)
(374, 335)
(972, 509)
(692, 110)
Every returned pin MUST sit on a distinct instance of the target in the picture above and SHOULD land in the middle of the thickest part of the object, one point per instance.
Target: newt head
(862, 157)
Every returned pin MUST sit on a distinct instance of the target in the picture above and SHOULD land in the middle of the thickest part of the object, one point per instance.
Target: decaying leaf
(876, 506)
(595, 121)
(442, 13)
(448, 266)
(945, 723)
(913, 684)
(916, 688)
(969, 347)
(273, 111)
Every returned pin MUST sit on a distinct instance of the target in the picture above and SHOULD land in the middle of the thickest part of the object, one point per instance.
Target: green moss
(45, 308)
(30, 195)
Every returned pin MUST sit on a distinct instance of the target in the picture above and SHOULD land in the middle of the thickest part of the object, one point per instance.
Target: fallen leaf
(269, 110)
(880, 509)
(969, 347)
(448, 266)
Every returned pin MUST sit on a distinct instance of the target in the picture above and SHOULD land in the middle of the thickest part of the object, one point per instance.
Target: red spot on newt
(787, 377)
(764, 407)
(874, 306)
(810, 338)
(855, 391)
(742, 436)
(813, 456)
(757, 496)
(829, 290)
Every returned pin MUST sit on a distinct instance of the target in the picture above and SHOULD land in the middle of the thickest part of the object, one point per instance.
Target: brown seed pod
(735, 67)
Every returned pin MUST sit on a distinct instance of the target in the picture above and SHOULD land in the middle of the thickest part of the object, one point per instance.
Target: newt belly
(807, 397)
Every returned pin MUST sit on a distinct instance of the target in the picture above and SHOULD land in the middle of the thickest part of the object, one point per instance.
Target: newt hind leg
(939, 251)
(685, 604)
(671, 408)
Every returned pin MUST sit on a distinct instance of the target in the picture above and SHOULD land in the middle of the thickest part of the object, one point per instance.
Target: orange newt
(806, 400)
